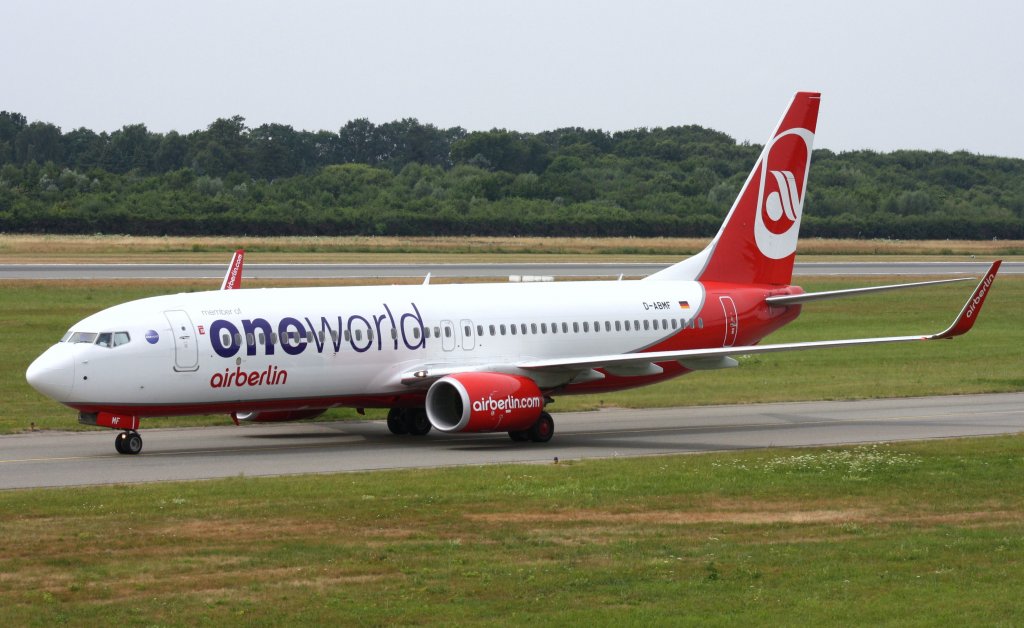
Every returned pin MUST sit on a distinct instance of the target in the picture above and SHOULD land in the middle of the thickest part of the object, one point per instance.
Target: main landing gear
(128, 442)
(539, 432)
(411, 421)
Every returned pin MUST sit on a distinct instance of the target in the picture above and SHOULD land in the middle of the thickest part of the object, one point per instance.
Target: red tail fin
(757, 241)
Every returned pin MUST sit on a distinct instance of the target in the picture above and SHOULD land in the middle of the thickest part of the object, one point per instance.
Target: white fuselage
(226, 349)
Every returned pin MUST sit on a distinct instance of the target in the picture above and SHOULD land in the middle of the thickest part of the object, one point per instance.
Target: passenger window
(479, 330)
(618, 325)
(225, 339)
(533, 328)
(673, 323)
(586, 326)
(490, 328)
(359, 335)
(575, 327)
(426, 332)
(647, 324)
(447, 332)
(369, 335)
(565, 328)
(469, 331)
(104, 340)
(607, 326)
(627, 325)
(502, 330)
(416, 333)
(700, 323)
(554, 328)
(273, 337)
(636, 325)
(348, 336)
(121, 338)
(394, 334)
(437, 332)
(543, 328)
(512, 328)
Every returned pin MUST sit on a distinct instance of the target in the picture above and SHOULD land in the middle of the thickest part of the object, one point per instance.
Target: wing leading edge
(706, 357)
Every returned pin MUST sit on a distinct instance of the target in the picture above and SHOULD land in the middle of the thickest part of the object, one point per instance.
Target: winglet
(972, 308)
(233, 278)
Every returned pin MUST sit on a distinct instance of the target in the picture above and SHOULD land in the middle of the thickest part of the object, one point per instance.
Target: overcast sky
(893, 74)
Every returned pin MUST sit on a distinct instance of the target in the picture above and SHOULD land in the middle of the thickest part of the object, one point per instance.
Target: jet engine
(484, 402)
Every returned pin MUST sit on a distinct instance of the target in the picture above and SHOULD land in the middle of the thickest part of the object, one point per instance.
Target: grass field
(113, 248)
(911, 534)
(989, 359)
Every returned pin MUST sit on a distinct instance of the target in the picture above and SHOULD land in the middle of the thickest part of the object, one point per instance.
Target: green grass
(911, 534)
(989, 359)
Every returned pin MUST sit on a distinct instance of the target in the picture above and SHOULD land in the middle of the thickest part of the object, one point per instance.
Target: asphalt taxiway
(49, 459)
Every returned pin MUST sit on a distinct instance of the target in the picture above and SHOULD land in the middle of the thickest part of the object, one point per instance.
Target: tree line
(409, 178)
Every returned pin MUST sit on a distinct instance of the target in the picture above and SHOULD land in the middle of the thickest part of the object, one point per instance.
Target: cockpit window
(82, 336)
(110, 339)
(66, 336)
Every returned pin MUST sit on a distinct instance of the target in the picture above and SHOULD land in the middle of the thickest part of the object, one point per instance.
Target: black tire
(119, 442)
(519, 436)
(396, 422)
(543, 429)
(417, 422)
(133, 444)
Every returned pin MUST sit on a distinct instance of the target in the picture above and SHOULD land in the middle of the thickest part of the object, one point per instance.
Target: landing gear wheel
(128, 443)
(543, 429)
(519, 436)
(133, 444)
(417, 422)
(396, 422)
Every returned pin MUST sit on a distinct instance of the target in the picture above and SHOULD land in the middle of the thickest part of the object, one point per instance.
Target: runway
(48, 459)
(498, 270)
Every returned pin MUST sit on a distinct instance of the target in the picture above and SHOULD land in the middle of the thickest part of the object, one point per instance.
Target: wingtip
(233, 277)
(972, 309)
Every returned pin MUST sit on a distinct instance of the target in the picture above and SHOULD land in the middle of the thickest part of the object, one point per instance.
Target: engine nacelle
(483, 402)
(276, 416)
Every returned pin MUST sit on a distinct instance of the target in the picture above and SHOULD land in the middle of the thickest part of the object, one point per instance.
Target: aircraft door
(448, 335)
(732, 321)
(186, 347)
(468, 337)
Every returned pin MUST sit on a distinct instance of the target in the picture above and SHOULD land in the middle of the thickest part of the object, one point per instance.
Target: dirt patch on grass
(244, 530)
(748, 517)
(675, 517)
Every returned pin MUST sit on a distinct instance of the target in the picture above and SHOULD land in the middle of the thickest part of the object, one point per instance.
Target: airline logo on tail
(780, 199)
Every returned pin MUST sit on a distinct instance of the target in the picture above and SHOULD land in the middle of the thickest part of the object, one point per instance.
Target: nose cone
(53, 373)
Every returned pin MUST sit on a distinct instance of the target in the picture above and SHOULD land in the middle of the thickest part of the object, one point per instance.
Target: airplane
(461, 357)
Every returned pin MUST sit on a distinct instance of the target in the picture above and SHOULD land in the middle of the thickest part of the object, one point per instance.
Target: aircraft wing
(719, 357)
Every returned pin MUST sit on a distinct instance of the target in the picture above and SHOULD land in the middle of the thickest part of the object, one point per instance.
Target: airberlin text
(976, 301)
(270, 376)
(374, 331)
(508, 404)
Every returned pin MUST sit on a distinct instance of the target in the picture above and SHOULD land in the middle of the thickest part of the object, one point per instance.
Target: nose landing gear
(128, 442)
